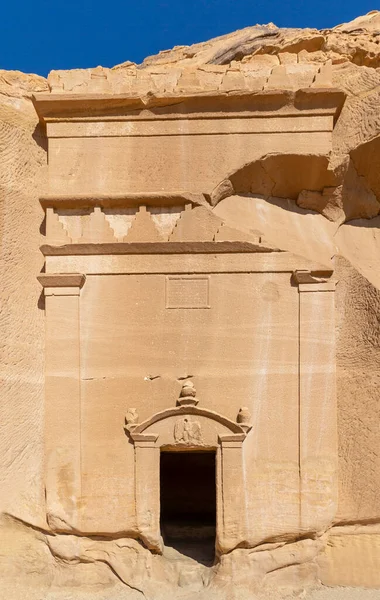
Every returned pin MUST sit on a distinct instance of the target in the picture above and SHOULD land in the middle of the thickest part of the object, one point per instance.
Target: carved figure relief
(188, 432)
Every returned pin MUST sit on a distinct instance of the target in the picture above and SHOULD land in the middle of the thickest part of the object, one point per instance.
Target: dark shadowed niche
(188, 503)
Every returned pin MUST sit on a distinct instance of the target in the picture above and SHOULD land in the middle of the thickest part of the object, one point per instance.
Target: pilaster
(147, 489)
(62, 399)
(317, 401)
(231, 530)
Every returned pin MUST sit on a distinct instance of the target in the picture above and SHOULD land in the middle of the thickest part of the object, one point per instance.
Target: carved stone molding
(58, 106)
(309, 281)
(156, 248)
(62, 284)
(304, 276)
(75, 201)
(61, 279)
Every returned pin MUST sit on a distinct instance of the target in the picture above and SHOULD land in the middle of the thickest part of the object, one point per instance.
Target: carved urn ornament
(244, 419)
(187, 395)
(131, 419)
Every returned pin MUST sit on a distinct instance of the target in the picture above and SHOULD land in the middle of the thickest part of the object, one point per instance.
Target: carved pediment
(187, 425)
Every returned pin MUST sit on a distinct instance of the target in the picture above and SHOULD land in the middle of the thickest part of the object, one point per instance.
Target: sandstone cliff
(334, 212)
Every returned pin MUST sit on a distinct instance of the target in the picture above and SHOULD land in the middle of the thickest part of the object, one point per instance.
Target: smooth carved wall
(119, 164)
(241, 351)
(242, 328)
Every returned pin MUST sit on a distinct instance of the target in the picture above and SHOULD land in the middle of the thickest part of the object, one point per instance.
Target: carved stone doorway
(188, 503)
(189, 430)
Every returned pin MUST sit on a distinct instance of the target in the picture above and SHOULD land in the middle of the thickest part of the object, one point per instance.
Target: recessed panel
(187, 292)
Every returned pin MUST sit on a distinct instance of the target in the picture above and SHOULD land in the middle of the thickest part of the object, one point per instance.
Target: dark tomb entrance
(188, 503)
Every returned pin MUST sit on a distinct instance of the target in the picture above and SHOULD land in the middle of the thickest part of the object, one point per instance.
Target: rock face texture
(190, 321)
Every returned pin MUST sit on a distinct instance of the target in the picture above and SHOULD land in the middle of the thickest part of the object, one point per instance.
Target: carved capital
(232, 440)
(144, 440)
(59, 284)
(309, 281)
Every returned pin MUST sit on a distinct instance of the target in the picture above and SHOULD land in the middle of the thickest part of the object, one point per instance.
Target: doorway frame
(230, 498)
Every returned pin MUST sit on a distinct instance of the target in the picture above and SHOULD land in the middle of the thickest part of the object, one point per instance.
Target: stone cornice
(155, 248)
(66, 201)
(62, 106)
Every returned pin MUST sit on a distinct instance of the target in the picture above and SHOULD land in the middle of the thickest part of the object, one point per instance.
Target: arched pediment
(188, 410)
(187, 425)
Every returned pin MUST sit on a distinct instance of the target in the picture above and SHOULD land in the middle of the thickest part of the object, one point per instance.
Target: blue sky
(39, 35)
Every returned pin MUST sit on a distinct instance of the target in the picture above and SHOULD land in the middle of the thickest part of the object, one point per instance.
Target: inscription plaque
(187, 292)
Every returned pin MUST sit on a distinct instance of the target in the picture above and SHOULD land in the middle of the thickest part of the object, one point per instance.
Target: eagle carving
(188, 432)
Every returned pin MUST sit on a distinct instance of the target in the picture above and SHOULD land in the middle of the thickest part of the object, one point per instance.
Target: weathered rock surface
(323, 207)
